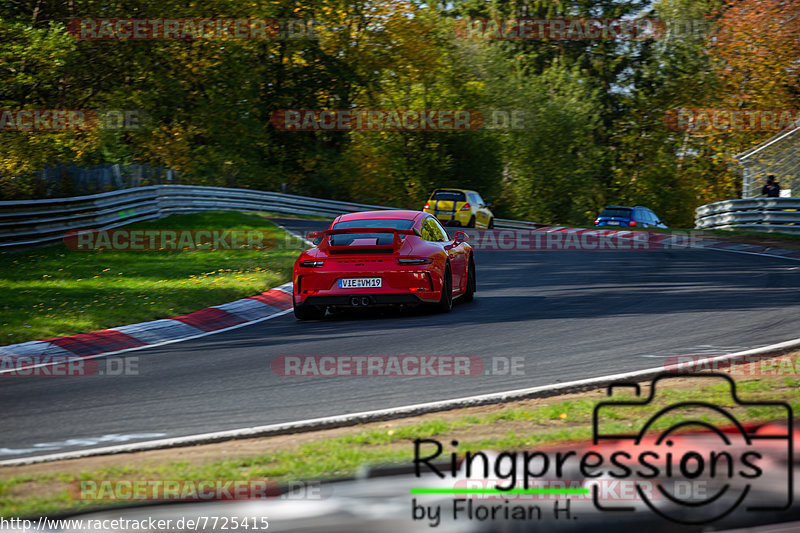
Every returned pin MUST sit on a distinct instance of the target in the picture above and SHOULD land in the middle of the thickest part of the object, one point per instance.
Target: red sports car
(382, 258)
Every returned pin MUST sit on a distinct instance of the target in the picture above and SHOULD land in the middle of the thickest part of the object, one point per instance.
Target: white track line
(75, 358)
(145, 346)
(379, 415)
(750, 253)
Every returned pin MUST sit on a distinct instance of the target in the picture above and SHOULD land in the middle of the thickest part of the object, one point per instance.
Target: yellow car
(459, 207)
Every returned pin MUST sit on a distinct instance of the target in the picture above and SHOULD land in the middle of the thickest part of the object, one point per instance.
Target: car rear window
(621, 212)
(369, 238)
(394, 223)
(449, 196)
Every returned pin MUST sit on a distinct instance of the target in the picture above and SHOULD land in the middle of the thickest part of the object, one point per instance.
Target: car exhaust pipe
(365, 301)
(354, 301)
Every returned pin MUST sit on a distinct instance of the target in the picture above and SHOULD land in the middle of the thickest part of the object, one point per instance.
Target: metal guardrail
(779, 215)
(33, 222)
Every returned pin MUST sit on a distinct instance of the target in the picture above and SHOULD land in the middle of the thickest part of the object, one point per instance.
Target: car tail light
(632, 223)
(427, 205)
(596, 221)
(311, 264)
(413, 260)
(466, 207)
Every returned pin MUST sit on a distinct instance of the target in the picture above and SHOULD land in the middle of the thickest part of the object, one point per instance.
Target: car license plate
(360, 283)
(613, 223)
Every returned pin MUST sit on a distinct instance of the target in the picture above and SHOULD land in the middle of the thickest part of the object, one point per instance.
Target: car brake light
(312, 264)
(413, 260)
(596, 221)
(427, 205)
(632, 223)
(466, 207)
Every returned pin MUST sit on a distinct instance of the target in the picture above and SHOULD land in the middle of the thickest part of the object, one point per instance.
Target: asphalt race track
(570, 315)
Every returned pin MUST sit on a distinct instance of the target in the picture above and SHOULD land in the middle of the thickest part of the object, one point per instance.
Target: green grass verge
(503, 428)
(52, 291)
(294, 215)
(749, 233)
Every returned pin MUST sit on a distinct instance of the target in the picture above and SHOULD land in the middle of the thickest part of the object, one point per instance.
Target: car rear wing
(321, 239)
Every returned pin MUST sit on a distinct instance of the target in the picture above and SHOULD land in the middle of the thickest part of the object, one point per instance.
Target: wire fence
(68, 180)
(778, 156)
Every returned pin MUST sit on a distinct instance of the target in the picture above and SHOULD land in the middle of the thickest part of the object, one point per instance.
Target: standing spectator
(771, 188)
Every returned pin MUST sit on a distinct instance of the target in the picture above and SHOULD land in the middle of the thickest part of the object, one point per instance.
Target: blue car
(640, 217)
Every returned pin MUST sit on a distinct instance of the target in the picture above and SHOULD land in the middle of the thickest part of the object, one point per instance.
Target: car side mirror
(487, 204)
(460, 237)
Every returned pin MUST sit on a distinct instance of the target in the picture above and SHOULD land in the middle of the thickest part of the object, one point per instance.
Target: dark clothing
(772, 190)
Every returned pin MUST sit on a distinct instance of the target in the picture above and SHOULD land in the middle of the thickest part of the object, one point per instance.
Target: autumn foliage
(757, 49)
(596, 131)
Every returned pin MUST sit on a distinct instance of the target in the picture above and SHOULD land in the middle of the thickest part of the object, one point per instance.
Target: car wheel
(308, 312)
(446, 301)
(491, 223)
(471, 223)
(469, 295)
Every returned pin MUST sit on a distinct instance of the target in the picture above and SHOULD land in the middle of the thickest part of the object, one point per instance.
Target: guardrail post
(747, 182)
